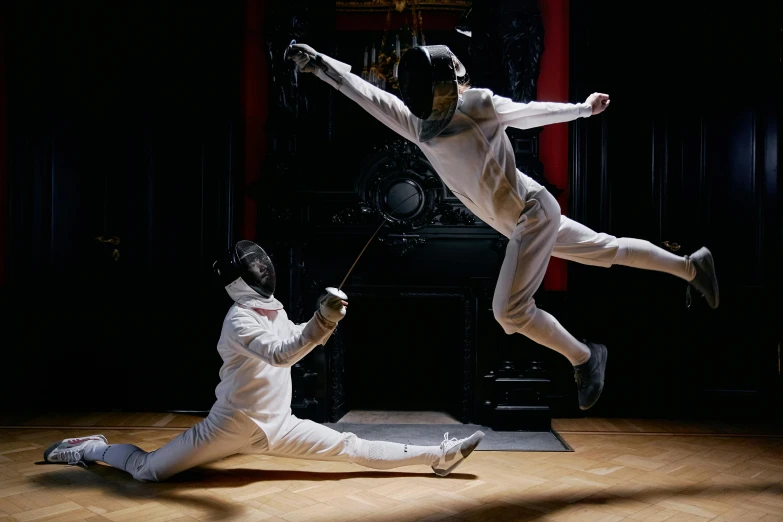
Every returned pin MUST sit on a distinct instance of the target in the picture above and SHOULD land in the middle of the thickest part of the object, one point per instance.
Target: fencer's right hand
(303, 55)
(332, 308)
(598, 102)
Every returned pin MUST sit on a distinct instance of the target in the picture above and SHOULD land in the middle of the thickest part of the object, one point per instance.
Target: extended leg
(576, 242)
(216, 437)
(305, 439)
(639, 253)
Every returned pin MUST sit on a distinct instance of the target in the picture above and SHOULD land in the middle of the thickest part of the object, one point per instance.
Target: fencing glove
(332, 305)
(303, 55)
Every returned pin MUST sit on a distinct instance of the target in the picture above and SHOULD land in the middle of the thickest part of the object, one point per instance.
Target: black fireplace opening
(406, 352)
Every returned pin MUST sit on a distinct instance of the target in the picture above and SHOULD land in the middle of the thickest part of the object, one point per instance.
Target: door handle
(114, 240)
(671, 246)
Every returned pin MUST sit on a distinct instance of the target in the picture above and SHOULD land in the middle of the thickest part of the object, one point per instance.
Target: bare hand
(598, 101)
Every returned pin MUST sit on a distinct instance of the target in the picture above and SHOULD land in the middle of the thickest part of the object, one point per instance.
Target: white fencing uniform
(253, 409)
(474, 158)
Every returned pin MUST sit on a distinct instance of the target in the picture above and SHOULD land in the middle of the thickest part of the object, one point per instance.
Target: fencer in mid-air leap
(461, 131)
(252, 414)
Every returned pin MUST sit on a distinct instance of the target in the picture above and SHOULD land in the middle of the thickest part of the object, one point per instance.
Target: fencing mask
(248, 275)
(428, 84)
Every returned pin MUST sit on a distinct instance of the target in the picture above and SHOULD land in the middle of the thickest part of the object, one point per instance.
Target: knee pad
(351, 445)
(364, 452)
(373, 451)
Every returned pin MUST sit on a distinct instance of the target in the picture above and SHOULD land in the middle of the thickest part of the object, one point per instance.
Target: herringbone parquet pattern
(612, 475)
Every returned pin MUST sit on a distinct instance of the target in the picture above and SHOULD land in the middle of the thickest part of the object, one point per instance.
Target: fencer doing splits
(252, 414)
(461, 131)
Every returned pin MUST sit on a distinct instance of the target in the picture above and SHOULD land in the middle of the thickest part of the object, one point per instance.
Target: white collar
(245, 296)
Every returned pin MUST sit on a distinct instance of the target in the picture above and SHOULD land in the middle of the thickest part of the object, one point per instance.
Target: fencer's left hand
(598, 101)
(303, 55)
(332, 308)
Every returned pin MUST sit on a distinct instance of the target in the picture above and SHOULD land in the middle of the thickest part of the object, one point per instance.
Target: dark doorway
(406, 352)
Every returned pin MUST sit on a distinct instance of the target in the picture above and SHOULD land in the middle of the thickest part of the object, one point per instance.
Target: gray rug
(432, 434)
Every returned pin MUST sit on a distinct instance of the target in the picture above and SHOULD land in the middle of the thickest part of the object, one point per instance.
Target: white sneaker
(71, 451)
(454, 452)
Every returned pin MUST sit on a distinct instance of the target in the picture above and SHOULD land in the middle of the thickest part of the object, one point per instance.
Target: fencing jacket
(258, 348)
(473, 155)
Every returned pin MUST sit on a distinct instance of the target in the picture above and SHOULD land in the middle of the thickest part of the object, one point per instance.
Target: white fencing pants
(224, 433)
(221, 434)
(542, 232)
(306, 439)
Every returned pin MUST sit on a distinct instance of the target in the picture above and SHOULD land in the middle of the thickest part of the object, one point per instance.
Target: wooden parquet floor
(628, 470)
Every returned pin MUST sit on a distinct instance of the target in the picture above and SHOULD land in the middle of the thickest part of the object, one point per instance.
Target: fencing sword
(337, 292)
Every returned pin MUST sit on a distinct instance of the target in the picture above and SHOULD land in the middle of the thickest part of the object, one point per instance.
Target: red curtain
(255, 108)
(553, 86)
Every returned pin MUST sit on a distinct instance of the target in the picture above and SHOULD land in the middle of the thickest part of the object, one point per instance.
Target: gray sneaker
(705, 282)
(454, 452)
(71, 451)
(590, 376)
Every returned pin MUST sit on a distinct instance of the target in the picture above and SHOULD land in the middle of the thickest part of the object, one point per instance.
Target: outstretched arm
(383, 106)
(537, 114)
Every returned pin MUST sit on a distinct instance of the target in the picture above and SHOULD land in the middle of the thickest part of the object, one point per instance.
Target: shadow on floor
(190, 490)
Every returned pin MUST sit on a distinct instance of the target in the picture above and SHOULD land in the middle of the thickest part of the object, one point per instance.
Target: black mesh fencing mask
(248, 261)
(428, 85)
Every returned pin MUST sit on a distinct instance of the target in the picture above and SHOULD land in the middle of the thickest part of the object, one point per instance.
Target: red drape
(255, 108)
(553, 86)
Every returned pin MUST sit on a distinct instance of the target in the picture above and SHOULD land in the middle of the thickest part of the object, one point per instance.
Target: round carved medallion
(401, 185)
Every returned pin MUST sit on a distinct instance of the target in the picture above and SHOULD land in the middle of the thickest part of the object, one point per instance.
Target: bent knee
(144, 472)
(513, 319)
(145, 475)
(549, 210)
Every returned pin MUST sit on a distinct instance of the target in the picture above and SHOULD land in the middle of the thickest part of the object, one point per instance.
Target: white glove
(303, 55)
(331, 306)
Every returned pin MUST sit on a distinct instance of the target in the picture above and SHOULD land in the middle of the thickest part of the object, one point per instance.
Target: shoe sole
(601, 389)
(710, 262)
(708, 265)
(49, 450)
(443, 473)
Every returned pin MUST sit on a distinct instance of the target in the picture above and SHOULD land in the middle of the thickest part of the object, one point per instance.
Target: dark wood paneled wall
(125, 141)
(685, 156)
